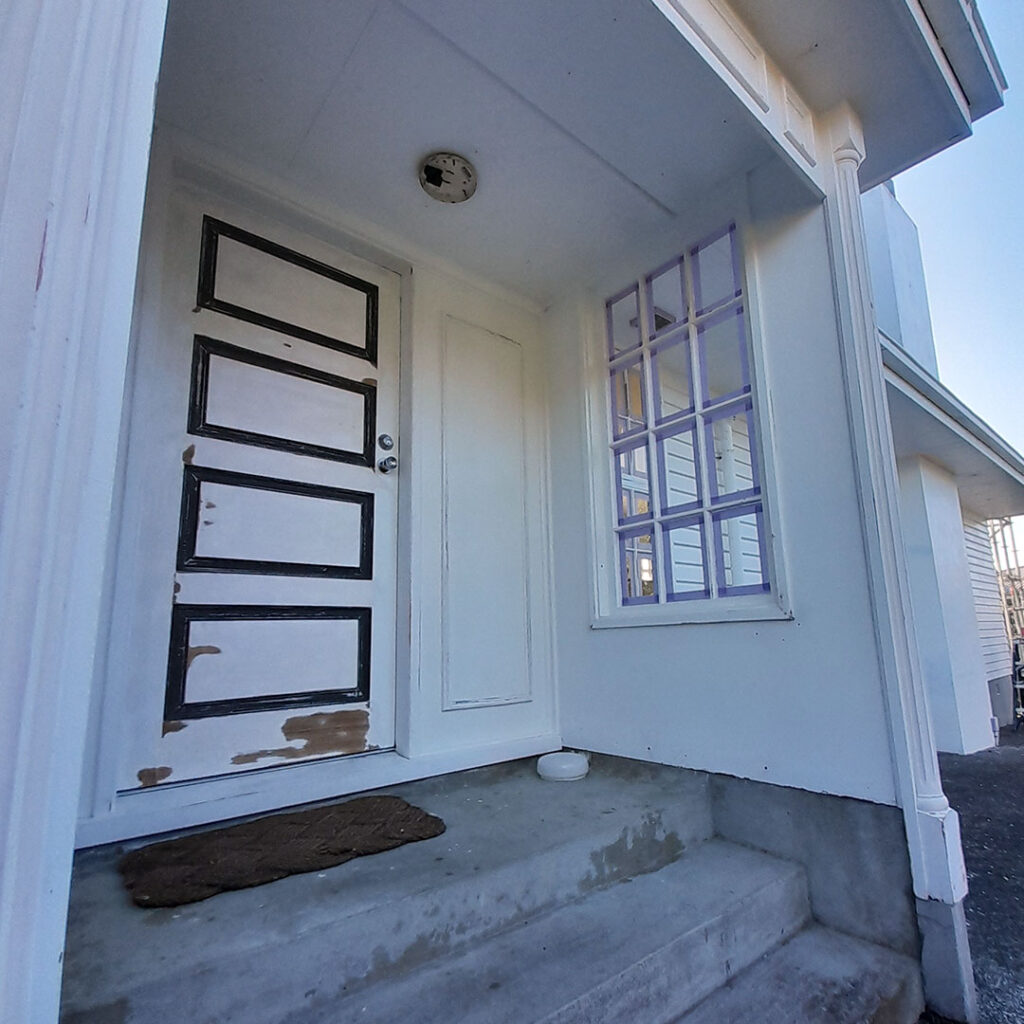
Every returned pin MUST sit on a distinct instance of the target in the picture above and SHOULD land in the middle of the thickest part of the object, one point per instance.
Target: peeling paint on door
(172, 727)
(194, 652)
(151, 776)
(334, 732)
(188, 455)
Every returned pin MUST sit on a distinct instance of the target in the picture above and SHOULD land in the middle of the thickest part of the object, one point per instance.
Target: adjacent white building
(673, 478)
(955, 474)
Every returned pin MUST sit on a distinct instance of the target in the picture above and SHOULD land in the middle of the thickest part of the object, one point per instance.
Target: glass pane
(673, 379)
(723, 356)
(623, 314)
(639, 583)
(730, 442)
(716, 276)
(739, 543)
(632, 480)
(628, 407)
(666, 298)
(677, 455)
(685, 562)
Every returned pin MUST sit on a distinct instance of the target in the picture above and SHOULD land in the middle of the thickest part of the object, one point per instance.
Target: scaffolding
(1011, 591)
(1010, 574)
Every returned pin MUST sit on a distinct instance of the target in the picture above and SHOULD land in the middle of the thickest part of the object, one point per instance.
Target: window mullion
(653, 474)
(703, 456)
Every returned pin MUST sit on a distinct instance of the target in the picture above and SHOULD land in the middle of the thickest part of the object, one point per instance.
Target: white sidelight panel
(485, 567)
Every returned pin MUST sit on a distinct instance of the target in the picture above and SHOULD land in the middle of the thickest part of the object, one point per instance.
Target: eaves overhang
(917, 72)
(928, 420)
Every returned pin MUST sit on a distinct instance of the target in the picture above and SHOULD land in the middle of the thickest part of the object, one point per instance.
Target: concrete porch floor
(625, 818)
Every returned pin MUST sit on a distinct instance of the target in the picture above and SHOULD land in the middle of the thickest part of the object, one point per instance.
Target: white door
(254, 614)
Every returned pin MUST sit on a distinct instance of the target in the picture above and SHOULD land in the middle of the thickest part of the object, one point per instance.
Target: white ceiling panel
(615, 75)
(590, 122)
(542, 198)
(250, 75)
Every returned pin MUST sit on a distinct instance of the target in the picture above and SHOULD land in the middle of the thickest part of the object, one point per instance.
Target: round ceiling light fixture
(448, 177)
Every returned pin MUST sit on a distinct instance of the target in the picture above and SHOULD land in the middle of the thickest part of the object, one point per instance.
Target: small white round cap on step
(563, 766)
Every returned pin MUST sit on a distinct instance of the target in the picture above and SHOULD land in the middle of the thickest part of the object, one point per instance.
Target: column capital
(846, 134)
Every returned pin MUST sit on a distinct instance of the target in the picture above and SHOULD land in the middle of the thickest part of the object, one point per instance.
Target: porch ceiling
(592, 123)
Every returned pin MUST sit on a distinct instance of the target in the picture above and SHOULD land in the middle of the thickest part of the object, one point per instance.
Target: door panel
(254, 619)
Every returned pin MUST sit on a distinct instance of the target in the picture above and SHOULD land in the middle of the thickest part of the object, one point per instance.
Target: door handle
(388, 465)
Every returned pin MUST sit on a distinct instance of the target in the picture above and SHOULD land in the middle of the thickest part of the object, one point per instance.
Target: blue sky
(968, 203)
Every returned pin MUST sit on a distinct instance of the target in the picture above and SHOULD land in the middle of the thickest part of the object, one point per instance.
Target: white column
(933, 831)
(75, 121)
(945, 622)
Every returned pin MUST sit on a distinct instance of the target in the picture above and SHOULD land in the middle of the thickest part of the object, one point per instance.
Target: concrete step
(643, 951)
(819, 977)
(515, 847)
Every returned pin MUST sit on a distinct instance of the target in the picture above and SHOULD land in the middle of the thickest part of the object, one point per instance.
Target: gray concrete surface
(854, 853)
(538, 844)
(946, 961)
(987, 789)
(568, 903)
(619, 955)
(820, 977)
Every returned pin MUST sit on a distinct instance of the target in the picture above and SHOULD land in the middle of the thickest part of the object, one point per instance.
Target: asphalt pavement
(987, 789)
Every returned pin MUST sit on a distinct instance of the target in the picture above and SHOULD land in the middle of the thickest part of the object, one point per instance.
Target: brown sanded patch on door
(172, 727)
(151, 776)
(194, 867)
(332, 732)
(195, 652)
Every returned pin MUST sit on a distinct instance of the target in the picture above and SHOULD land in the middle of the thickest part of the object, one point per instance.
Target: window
(689, 522)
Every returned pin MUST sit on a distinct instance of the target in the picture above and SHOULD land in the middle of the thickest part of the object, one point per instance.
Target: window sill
(740, 609)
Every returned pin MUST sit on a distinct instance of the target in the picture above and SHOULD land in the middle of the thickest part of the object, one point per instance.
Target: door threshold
(167, 808)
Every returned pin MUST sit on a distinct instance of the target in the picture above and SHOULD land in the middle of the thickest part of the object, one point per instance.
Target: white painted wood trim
(717, 33)
(167, 807)
(76, 133)
(932, 826)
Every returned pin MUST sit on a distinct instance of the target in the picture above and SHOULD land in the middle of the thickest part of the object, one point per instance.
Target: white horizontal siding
(987, 600)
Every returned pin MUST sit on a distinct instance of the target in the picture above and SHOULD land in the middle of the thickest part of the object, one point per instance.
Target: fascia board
(912, 380)
(965, 42)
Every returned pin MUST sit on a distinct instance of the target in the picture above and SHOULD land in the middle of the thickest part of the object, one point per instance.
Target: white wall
(988, 608)
(792, 702)
(897, 276)
(988, 605)
(944, 615)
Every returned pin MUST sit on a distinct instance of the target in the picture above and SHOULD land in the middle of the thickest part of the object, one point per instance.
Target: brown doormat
(195, 867)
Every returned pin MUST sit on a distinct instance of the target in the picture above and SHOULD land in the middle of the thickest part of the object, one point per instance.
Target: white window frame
(608, 610)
